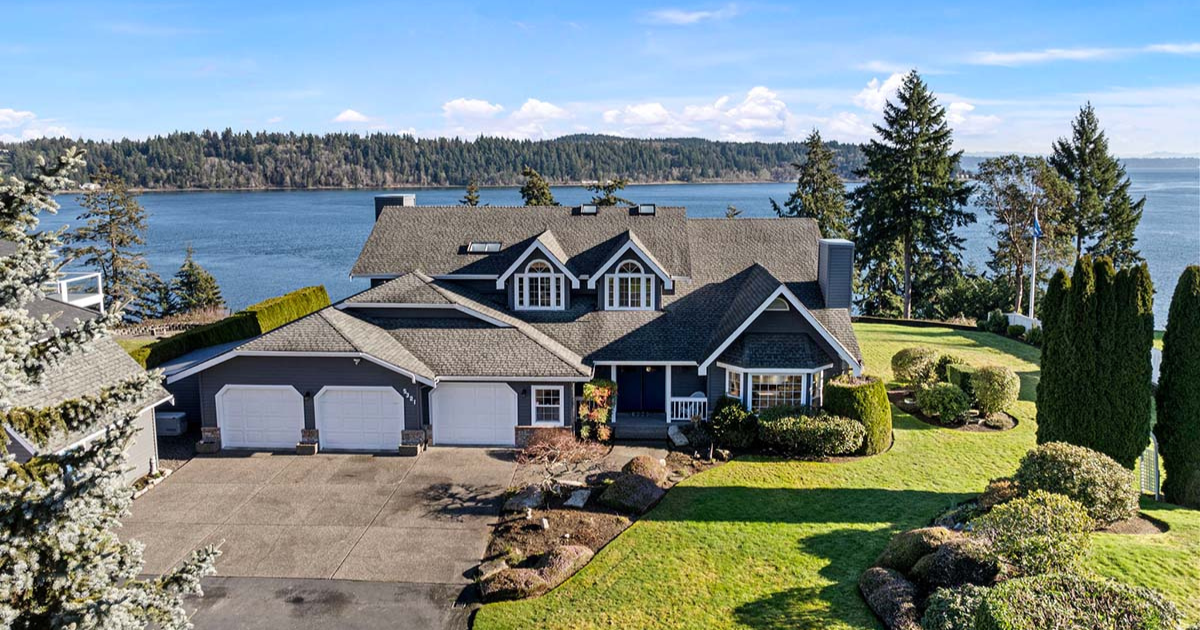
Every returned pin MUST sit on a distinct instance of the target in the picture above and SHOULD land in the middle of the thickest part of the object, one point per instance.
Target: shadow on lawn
(801, 505)
(848, 552)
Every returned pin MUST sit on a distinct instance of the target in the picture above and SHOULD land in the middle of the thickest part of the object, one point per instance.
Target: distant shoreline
(431, 187)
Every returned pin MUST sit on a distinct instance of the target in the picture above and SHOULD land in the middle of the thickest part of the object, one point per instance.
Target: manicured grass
(130, 344)
(766, 543)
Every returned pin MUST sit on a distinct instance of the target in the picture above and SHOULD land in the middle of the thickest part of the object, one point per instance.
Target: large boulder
(530, 497)
(892, 597)
(631, 493)
(955, 563)
(561, 563)
(512, 584)
(906, 548)
(648, 467)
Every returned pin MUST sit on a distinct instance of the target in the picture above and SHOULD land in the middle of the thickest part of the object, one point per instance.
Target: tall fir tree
(1104, 216)
(194, 288)
(605, 193)
(536, 191)
(1098, 331)
(912, 200)
(1178, 427)
(111, 237)
(62, 564)
(471, 198)
(820, 193)
(1013, 190)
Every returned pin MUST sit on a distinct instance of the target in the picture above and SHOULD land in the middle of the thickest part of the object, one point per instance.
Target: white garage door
(473, 413)
(359, 418)
(260, 416)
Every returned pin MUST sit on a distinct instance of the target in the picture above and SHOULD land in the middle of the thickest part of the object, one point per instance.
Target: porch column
(667, 398)
(613, 418)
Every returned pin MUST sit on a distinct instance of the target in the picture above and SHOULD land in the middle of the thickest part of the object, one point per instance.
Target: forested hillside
(216, 160)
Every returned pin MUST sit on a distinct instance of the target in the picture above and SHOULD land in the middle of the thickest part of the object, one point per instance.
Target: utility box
(170, 423)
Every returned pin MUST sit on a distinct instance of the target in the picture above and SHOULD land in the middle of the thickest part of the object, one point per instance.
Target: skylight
(483, 247)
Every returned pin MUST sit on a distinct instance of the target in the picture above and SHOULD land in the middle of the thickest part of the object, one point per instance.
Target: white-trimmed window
(629, 288)
(733, 384)
(771, 390)
(540, 288)
(779, 304)
(547, 405)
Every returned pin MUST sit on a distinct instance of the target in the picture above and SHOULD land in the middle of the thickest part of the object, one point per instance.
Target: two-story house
(484, 322)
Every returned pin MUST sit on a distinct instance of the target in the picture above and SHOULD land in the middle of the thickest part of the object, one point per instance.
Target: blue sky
(1012, 74)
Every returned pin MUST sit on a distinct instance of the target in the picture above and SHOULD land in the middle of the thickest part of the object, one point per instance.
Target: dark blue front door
(641, 388)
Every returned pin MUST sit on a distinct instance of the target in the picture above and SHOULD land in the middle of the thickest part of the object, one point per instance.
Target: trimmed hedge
(1069, 601)
(953, 608)
(915, 366)
(945, 361)
(1105, 488)
(961, 375)
(996, 388)
(731, 425)
(1036, 534)
(906, 548)
(1016, 331)
(863, 399)
(1178, 427)
(823, 435)
(947, 401)
(254, 320)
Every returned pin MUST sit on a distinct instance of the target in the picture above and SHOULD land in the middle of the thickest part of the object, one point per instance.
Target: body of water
(262, 244)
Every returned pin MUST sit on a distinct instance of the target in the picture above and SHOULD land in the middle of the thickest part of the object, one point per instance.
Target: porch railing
(682, 409)
(83, 289)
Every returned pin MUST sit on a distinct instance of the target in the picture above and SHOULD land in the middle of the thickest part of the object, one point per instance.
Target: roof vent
(646, 208)
(483, 247)
(588, 209)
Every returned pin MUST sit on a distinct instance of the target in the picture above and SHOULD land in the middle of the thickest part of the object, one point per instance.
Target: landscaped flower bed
(946, 391)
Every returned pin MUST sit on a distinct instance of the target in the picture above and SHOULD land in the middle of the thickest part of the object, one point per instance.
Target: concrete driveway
(422, 520)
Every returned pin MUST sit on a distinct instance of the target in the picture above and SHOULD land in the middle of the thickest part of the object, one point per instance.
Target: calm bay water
(262, 244)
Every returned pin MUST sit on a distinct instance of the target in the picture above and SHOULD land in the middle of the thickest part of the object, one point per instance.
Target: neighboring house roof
(63, 315)
(407, 289)
(435, 238)
(775, 351)
(86, 372)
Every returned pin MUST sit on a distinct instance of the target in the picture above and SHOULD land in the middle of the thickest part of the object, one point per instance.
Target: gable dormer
(538, 279)
(631, 279)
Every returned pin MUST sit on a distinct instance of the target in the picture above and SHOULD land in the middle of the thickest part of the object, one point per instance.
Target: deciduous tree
(1104, 217)
(820, 193)
(536, 191)
(1178, 427)
(61, 562)
(913, 201)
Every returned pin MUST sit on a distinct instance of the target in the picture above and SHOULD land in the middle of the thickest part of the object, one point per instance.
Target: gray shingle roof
(63, 315)
(473, 347)
(774, 350)
(86, 372)
(435, 238)
(407, 289)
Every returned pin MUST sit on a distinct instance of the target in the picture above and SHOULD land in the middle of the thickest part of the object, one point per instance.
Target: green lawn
(765, 543)
(130, 344)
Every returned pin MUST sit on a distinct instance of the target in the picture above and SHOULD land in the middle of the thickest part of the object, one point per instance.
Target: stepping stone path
(528, 498)
(578, 499)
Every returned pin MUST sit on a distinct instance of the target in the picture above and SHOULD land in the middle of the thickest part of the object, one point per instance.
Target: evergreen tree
(109, 239)
(606, 192)
(1097, 333)
(61, 562)
(1178, 427)
(1104, 216)
(472, 196)
(733, 212)
(1014, 189)
(536, 191)
(912, 200)
(158, 301)
(194, 288)
(820, 193)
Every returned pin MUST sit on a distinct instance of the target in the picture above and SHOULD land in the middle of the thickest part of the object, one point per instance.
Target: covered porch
(651, 395)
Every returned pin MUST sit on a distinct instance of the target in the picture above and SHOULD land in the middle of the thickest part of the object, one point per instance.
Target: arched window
(629, 288)
(540, 288)
(779, 304)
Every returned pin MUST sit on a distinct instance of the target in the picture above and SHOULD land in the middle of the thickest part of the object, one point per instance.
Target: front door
(641, 389)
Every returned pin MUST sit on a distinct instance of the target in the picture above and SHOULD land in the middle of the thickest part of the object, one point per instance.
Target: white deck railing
(682, 409)
(80, 288)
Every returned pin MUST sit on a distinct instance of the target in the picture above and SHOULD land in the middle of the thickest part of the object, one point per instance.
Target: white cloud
(534, 109)
(1028, 57)
(10, 118)
(681, 17)
(848, 127)
(274, 120)
(470, 108)
(26, 125)
(876, 94)
(350, 116)
(965, 123)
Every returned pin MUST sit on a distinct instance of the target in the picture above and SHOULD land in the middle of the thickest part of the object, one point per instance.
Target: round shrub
(906, 548)
(996, 388)
(1038, 533)
(958, 562)
(822, 436)
(862, 398)
(1104, 487)
(953, 608)
(731, 425)
(945, 361)
(947, 402)
(646, 466)
(772, 414)
(1016, 331)
(1069, 601)
(915, 366)
(1033, 337)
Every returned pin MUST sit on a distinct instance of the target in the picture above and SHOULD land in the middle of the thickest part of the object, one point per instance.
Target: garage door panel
(360, 418)
(474, 413)
(252, 416)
